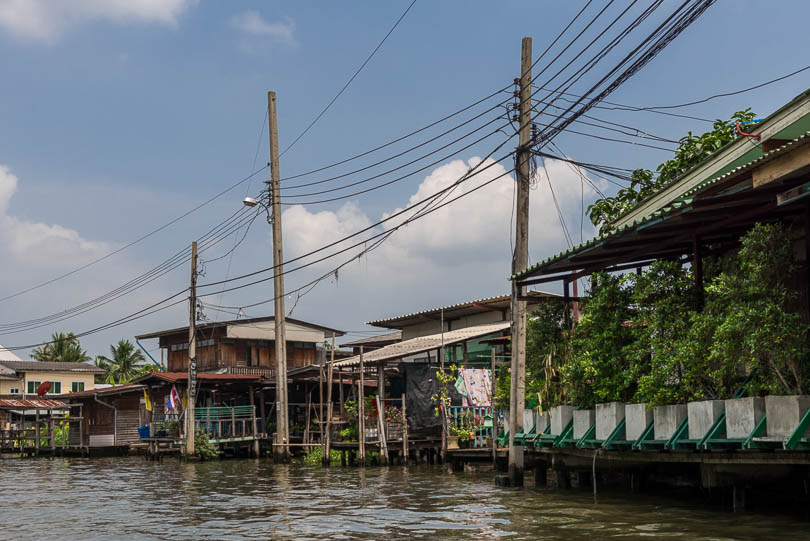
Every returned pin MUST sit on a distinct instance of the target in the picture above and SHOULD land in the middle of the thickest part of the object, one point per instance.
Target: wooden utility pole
(361, 412)
(281, 451)
(192, 351)
(520, 259)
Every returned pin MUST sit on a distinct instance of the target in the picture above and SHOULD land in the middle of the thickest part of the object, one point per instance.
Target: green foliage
(313, 458)
(753, 312)
(62, 348)
(203, 448)
(124, 365)
(692, 150)
(446, 377)
(601, 368)
(665, 303)
(463, 427)
(548, 349)
(350, 433)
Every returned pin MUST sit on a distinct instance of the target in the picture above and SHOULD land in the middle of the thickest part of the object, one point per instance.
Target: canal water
(130, 498)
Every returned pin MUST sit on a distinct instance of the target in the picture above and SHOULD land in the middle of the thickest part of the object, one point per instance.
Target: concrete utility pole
(281, 451)
(192, 351)
(520, 259)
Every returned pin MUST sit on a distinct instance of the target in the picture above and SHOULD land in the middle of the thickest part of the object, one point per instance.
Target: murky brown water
(129, 498)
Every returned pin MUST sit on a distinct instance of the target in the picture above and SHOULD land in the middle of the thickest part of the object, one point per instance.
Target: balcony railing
(476, 415)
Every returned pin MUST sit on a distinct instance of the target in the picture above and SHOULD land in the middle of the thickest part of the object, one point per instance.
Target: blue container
(143, 431)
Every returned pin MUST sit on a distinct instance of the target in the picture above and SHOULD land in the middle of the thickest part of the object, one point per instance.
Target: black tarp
(421, 384)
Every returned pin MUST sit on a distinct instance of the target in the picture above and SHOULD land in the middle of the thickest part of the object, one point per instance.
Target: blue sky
(119, 116)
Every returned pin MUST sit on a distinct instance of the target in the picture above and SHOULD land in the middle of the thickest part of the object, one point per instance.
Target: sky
(119, 116)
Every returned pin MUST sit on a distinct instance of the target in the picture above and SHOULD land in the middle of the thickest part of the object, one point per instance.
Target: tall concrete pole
(192, 351)
(520, 259)
(280, 452)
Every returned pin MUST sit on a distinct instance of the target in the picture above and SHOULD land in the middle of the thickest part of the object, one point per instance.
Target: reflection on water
(130, 498)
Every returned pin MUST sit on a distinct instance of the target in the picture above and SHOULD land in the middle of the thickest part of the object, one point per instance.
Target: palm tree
(124, 363)
(62, 348)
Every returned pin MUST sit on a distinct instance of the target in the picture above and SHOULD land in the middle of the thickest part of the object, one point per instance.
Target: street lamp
(251, 202)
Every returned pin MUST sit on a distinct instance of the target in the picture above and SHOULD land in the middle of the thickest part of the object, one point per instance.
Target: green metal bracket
(616, 439)
(588, 438)
(758, 431)
(646, 440)
(797, 439)
(521, 438)
(714, 432)
(678, 438)
(565, 435)
(544, 437)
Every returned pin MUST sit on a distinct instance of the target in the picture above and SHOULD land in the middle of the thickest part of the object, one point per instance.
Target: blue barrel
(143, 431)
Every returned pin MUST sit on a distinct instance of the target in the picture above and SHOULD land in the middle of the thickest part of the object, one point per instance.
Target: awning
(422, 344)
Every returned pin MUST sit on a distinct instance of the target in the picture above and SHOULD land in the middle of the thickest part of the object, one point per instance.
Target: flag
(173, 401)
(147, 401)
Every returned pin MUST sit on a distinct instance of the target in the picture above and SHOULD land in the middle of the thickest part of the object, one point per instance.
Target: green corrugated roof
(681, 202)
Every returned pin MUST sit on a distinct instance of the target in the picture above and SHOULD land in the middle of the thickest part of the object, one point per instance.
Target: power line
(356, 73)
(732, 93)
(134, 242)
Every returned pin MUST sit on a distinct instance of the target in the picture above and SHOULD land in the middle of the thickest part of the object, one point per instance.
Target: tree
(62, 348)
(692, 150)
(600, 368)
(124, 364)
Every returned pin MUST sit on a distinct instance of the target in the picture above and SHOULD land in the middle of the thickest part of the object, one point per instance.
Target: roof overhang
(423, 344)
(789, 122)
(716, 212)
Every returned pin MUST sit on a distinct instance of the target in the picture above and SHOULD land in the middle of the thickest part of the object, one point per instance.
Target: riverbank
(131, 498)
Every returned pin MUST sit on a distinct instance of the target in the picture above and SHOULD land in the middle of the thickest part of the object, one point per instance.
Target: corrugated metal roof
(682, 203)
(387, 337)
(455, 307)
(422, 344)
(105, 391)
(32, 366)
(173, 377)
(235, 322)
(13, 403)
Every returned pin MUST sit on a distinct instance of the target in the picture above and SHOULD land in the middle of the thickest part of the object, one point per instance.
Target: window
(56, 387)
(14, 390)
(77, 387)
(32, 386)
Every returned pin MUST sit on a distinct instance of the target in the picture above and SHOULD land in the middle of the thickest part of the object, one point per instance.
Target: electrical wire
(134, 242)
(345, 86)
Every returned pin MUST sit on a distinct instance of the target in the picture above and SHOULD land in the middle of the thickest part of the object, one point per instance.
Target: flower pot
(452, 442)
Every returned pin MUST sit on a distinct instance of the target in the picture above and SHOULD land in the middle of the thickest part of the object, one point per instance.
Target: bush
(203, 448)
(313, 458)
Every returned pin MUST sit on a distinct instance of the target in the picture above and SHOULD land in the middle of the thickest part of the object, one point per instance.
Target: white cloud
(461, 251)
(46, 20)
(27, 244)
(251, 22)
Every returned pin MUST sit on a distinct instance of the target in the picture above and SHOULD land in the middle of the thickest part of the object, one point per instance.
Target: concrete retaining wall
(702, 416)
(667, 419)
(637, 417)
(783, 414)
(608, 416)
(583, 420)
(742, 415)
(542, 420)
(560, 416)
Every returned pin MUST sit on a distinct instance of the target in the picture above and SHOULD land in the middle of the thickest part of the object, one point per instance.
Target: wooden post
(262, 411)
(442, 411)
(404, 432)
(361, 414)
(253, 421)
(192, 351)
(36, 434)
(519, 263)
(494, 383)
(325, 455)
(320, 406)
(307, 430)
(380, 414)
(340, 392)
(282, 412)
